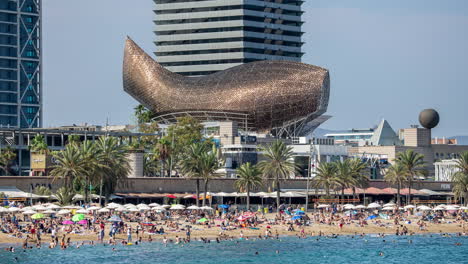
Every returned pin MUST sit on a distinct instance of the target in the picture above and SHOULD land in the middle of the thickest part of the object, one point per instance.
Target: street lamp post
(309, 172)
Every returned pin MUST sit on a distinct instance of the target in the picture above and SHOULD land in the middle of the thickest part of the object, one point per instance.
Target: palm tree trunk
(248, 197)
(204, 195)
(342, 194)
(327, 190)
(100, 192)
(198, 191)
(398, 194)
(409, 190)
(86, 190)
(277, 195)
(354, 193)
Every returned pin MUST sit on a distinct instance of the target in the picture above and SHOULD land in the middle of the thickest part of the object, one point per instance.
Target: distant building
(418, 140)
(20, 63)
(202, 37)
(382, 135)
(445, 169)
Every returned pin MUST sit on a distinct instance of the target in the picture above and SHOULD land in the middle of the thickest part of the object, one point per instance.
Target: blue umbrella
(371, 217)
(296, 217)
(115, 218)
(299, 213)
(224, 206)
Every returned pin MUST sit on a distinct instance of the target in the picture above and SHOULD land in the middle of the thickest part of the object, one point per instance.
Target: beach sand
(213, 232)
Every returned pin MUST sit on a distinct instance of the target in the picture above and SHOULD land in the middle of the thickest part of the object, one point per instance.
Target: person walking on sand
(129, 234)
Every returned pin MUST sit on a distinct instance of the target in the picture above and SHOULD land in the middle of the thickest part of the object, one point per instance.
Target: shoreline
(212, 233)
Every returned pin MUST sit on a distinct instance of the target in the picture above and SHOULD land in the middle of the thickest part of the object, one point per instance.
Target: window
(29, 19)
(30, 110)
(30, 53)
(30, 99)
(29, 8)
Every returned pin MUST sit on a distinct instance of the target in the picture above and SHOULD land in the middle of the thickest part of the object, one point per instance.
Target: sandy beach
(203, 231)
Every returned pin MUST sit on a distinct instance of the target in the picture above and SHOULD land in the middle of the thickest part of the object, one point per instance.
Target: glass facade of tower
(199, 37)
(20, 63)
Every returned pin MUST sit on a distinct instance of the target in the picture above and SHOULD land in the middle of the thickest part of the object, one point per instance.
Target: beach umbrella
(296, 217)
(409, 206)
(423, 208)
(3, 210)
(37, 216)
(49, 212)
(360, 206)
(53, 206)
(113, 205)
(177, 207)
(103, 210)
(224, 206)
(143, 207)
(13, 209)
(27, 208)
(203, 220)
(349, 207)
(63, 212)
(206, 208)
(374, 205)
(388, 208)
(78, 217)
(166, 206)
(323, 206)
(82, 211)
(68, 222)
(171, 196)
(29, 212)
(389, 205)
(94, 208)
(153, 204)
(82, 222)
(451, 208)
(71, 207)
(159, 209)
(193, 207)
(299, 212)
(464, 208)
(39, 208)
(115, 218)
(123, 209)
(191, 196)
(133, 210)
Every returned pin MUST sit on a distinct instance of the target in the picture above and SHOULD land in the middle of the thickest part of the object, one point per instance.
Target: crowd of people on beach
(230, 224)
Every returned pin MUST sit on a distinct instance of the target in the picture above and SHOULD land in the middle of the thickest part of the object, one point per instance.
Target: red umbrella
(171, 196)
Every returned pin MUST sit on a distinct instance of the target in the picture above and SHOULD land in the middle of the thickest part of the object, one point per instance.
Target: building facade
(202, 37)
(20, 64)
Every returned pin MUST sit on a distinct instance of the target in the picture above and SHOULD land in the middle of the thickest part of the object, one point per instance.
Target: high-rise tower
(20, 63)
(199, 37)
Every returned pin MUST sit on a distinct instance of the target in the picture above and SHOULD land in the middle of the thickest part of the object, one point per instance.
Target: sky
(387, 59)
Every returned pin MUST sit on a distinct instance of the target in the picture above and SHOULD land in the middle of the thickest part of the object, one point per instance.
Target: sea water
(346, 249)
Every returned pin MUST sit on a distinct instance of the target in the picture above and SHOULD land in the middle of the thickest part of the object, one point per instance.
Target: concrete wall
(181, 185)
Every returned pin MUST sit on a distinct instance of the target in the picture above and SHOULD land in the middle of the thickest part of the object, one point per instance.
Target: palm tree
(190, 164)
(396, 174)
(414, 164)
(163, 149)
(209, 164)
(361, 180)
(460, 178)
(113, 165)
(326, 176)
(38, 144)
(88, 152)
(344, 176)
(7, 156)
(68, 165)
(64, 195)
(249, 177)
(278, 165)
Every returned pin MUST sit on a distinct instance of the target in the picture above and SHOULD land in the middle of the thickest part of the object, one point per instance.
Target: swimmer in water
(381, 254)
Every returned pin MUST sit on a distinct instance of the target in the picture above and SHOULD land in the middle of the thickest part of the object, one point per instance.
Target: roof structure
(384, 135)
